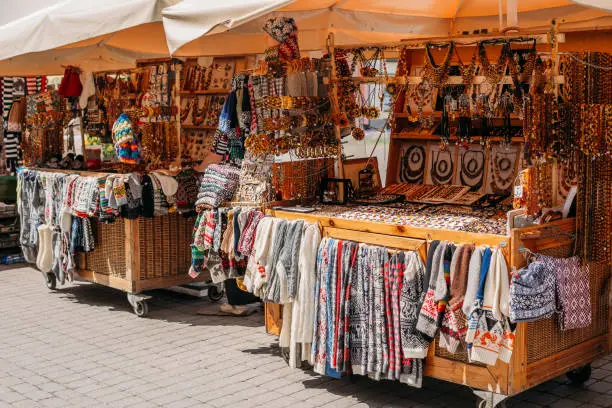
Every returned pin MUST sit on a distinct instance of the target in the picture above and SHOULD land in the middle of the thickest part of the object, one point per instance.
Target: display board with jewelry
(137, 111)
(45, 118)
(448, 100)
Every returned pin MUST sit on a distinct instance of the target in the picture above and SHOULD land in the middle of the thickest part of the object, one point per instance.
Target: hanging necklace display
(368, 65)
(437, 75)
(412, 165)
(449, 108)
(472, 169)
(521, 69)
(199, 114)
(422, 95)
(464, 113)
(493, 72)
(505, 108)
(442, 167)
(468, 72)
(484, 113)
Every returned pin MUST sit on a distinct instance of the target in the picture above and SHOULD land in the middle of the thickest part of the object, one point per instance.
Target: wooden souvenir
(352, 167)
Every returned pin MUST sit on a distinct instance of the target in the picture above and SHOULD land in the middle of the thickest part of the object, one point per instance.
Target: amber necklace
(493, 72)
(437, 74)
(467, 71)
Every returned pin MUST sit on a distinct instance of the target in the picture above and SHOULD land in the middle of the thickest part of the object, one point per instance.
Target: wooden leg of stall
(273, 317)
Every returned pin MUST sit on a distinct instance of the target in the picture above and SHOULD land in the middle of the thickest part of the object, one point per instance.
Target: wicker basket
(163, 248)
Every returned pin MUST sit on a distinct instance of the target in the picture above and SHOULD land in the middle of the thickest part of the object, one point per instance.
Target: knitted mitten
(120, 192)
(488, 339)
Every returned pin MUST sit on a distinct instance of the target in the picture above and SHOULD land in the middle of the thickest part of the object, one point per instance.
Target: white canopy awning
(112, 34)
(234, 26)
(92, 34)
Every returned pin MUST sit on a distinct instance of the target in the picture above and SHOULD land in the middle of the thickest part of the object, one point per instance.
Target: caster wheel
(51, 280)
(215, 293)
(141, 308)
(580, 375)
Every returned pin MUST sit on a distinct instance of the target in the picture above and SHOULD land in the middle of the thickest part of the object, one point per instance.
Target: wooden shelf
(427, 135)
(199, 127)
(207, 92)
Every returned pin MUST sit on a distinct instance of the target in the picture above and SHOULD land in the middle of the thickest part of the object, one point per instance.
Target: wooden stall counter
(542, 351)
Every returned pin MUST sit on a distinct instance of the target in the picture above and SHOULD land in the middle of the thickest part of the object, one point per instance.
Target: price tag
(518, 191)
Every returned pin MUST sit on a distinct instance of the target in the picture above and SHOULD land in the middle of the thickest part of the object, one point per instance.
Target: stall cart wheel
(141, 308)
(139, 304)
(51, 280)
(580, 375)
(490, 399)
(215, 292)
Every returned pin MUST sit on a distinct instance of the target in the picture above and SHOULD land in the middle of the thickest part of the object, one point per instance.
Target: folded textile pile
(218, 185)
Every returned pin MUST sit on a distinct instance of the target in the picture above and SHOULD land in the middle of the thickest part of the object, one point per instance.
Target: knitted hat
(126, 144)
(284, 30)
(532, 293)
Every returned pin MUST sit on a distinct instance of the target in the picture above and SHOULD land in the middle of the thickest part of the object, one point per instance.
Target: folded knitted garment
(218, 185)
(573, 290)
(532, 293)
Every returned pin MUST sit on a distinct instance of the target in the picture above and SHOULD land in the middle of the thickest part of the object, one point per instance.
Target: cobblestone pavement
(82, 346)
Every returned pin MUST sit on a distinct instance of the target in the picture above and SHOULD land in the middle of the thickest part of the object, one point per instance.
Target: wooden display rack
(542, 351)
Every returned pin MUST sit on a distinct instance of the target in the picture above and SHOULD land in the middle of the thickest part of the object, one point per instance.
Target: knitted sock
(427, 323)
(507, 343)
(198, 261)
(89, 241)
(44, 260)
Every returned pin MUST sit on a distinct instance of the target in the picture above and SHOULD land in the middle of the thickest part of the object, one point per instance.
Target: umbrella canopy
(92, 34)
(600, 4)
(234, 26)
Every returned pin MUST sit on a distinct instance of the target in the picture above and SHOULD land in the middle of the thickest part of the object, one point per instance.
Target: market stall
(485, 158)
(127, 221)
(493, 221)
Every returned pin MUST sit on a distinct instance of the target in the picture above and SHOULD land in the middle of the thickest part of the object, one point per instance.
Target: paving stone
(82, 347)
